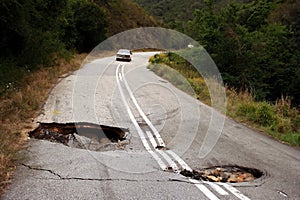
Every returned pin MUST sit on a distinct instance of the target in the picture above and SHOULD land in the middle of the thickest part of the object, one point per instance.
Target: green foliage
(280, 120)
(30, 37)
(251, 51)
(91, 25)
(166, 10)
(9, 75)
(260, 113)
(35, 33)
(180, 73)
(265, 114)
(255, 44)
(248, 111)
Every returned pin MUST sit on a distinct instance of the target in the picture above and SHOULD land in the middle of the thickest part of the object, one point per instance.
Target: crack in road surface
(101, 179)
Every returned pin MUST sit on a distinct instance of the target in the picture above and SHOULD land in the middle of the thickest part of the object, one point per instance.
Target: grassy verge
(279, 120)
(19, 106)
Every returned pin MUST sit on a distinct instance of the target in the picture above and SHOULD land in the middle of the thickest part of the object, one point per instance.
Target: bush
(247, 111)
(265, 114)
(280, 120)
(10, 74)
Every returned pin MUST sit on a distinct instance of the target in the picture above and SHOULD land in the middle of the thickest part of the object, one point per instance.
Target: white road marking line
(163, 154)
(136, 125)
(204, 189)
(157, 135)
(159, 161)
(169, 160)
(217, 188)
(234, 191)
(151, 138)
(146, 144)
(201, 187)
(186, 167)
(179, 160)
(120, 76)
(171, 163)
(197, 183)
(282, 193)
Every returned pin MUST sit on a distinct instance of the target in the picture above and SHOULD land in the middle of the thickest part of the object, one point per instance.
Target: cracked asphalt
(55, 171)
(79, 174)
(99, 179)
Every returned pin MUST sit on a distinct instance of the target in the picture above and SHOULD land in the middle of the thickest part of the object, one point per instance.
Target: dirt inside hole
(229, 173)
(82, 135)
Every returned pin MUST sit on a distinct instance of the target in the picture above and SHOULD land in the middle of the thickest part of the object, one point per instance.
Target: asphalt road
(127, 94)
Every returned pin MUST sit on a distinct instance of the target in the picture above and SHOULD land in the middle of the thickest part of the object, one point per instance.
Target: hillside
(175, 13)
(165, 10)
(125, 14)
(37, 33)
(253, 43)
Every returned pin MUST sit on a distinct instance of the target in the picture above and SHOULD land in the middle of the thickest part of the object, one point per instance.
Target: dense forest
(255, 44)
(175, 14)
(34, 33)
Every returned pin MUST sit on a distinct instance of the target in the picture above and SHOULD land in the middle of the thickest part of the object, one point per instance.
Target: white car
(124, 54)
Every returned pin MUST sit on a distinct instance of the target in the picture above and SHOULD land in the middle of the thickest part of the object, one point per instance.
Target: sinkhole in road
(228, 173)
(82, 135)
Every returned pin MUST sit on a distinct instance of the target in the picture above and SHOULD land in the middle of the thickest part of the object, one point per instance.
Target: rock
(104, 140)
(225, 176)
(215, 179)
(232, 178)
(232, 174)
(239, 180)
(77, 141)
(206, 173)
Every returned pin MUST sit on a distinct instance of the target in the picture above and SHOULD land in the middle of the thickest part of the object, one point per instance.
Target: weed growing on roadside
(280, 120)
(20, 106)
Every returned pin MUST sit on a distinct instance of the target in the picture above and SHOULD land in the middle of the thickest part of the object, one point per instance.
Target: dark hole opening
(161, 147)
(62, 133)
(228, 173)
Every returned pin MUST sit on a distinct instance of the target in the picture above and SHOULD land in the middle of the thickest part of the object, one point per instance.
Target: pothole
(229, 173)
(82, 135)
(161, 148)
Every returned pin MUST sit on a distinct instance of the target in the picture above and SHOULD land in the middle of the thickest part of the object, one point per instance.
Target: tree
(253, 47)
(91, 26)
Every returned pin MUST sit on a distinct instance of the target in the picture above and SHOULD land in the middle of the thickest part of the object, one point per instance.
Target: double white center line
(156, 141)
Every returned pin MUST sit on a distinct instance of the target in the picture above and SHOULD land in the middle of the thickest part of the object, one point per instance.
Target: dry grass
(19, 107)
(280, 120)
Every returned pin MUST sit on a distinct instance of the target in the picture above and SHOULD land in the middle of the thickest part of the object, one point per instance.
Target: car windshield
(124, 51)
